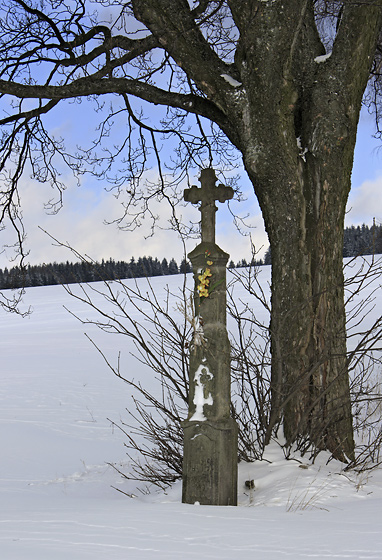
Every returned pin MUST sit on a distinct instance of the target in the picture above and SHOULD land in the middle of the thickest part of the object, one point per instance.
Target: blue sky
(81, 220)
(365, 200)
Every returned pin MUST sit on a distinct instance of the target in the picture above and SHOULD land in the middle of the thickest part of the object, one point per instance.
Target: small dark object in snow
(249, 484)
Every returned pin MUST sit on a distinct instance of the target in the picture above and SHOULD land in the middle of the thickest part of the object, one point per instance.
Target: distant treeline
(360, 240)
(73, 273)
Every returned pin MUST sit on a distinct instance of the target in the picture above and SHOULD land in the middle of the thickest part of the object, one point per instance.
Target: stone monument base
(210, 462)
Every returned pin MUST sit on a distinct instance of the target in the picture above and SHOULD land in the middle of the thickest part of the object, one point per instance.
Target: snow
(199, 399)
(303, 151)
(56, 495)
(322, 58)
(232, 82)
(197, 325)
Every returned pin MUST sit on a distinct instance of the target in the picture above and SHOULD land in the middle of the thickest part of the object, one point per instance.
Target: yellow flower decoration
(204, 280)
(204, 289)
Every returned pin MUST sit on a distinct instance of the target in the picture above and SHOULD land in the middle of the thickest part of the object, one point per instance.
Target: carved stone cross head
(207, 194)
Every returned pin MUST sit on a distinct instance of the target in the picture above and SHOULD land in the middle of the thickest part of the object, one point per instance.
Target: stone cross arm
(207, 194)
(220, 193)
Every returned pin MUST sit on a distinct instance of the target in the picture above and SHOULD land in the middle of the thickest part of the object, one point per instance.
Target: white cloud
(238, 245)
(80, 223)
(365, 203)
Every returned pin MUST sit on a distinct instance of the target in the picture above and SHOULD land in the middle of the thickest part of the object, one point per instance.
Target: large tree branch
(342, 78)
(134, 48)
(27, 115)
(356, 42)
(88, 86)
(179, 36)
(173, 24)
(56, 41)
(40, 15)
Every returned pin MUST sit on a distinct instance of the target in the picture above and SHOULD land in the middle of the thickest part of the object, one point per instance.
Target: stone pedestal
(210, 463)
(210, 434)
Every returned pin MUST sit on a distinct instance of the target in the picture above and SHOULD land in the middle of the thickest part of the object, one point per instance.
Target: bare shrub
(161, 333)
(365, 359)
(162, 329)
(250, 364)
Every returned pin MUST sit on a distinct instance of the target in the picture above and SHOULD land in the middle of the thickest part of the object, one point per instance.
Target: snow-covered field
(56, 495)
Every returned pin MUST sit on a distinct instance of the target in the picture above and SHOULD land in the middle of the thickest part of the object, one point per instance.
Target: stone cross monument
(210, 434)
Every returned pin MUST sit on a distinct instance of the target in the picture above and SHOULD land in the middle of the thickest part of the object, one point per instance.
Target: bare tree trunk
(299, 129)
(309, 364)
(310, 385)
